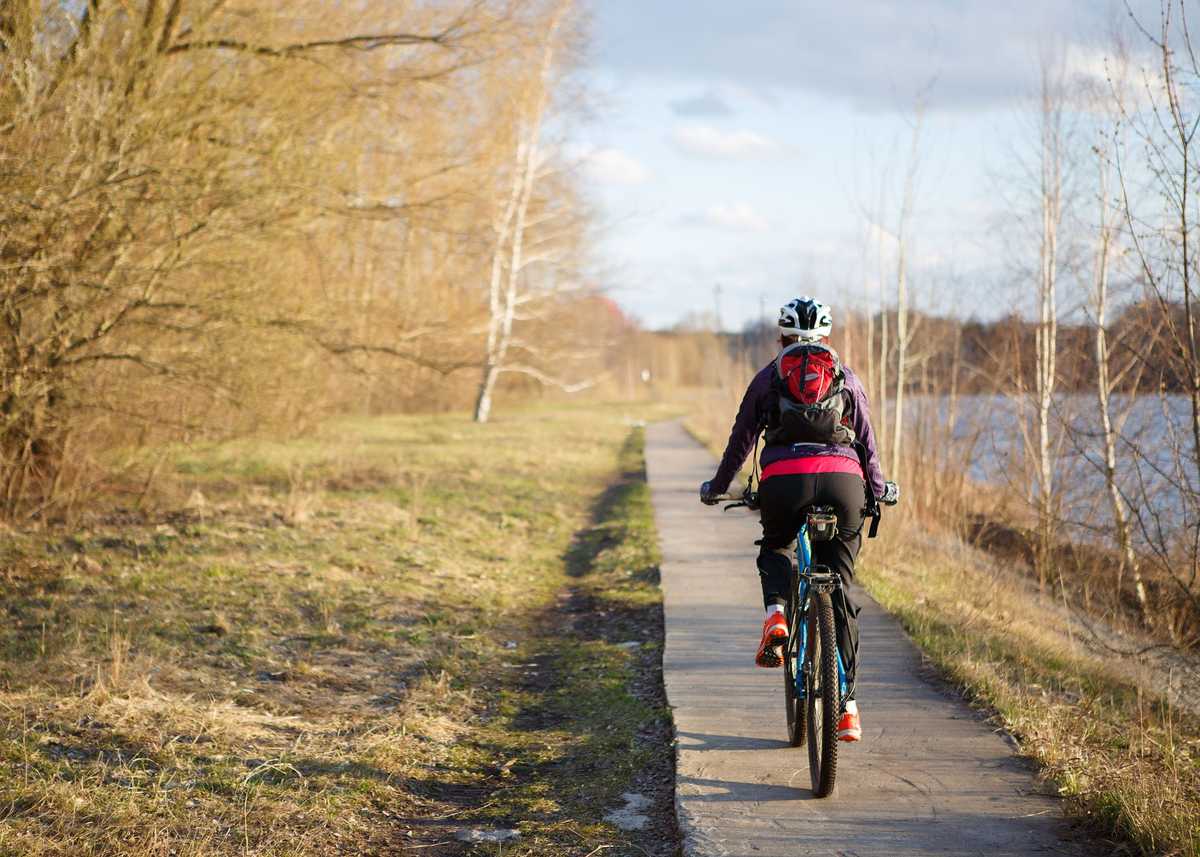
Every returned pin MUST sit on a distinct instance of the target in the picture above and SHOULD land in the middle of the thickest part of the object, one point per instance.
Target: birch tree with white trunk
(903, 335)
(512, 220)
(1107, 250)
(1050, 194)
(1107, 382)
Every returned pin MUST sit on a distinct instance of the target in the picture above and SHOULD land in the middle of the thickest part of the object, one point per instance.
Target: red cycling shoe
(849, 727)
(775, 634)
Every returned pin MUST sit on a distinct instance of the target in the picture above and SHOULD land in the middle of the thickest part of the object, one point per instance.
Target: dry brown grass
(1110, 732)
(293, 666)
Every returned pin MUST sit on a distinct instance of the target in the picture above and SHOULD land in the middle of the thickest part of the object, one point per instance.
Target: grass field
(374, 641)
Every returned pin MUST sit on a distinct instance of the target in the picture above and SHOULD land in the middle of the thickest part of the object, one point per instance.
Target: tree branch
(416, 360)
(357, 43)
(549, 380)
(157, 368)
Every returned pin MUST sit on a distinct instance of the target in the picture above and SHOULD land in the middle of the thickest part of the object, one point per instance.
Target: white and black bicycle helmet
(806, 318)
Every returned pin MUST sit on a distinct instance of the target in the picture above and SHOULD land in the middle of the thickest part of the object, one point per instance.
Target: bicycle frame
(805, 579)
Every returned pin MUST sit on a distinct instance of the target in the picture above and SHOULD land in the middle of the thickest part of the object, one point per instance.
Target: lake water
(1156, 460)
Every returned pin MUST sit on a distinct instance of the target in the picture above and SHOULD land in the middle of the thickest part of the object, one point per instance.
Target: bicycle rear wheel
(822, 689)
(796, 710)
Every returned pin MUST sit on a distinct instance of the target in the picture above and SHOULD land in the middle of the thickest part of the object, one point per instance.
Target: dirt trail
(930, 777)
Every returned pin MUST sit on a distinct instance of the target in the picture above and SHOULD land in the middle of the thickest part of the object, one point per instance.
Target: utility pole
(764, 330)
(717, 307)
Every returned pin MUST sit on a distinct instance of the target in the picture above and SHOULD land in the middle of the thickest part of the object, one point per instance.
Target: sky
(744, 146)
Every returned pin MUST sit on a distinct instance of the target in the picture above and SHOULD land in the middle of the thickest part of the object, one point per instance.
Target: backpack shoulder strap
(779, 360)
(807, 346)
(795, 346)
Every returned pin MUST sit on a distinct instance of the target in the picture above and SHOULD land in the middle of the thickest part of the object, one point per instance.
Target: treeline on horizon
(975, 357)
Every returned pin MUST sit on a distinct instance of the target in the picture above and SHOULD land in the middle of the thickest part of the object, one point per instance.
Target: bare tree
(889, 416)
(1164, 118)
(902, 236)
(1107, 382)
(1051, 155)
(881, 405)
(509, 286)
(1173, 162)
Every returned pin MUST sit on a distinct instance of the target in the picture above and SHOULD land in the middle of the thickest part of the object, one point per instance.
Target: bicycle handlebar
(749, 500)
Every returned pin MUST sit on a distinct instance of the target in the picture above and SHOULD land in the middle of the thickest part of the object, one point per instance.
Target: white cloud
(613, 166)
(735, 217)
(1087, 65)
(705, 141)
(878, 54)
(1092, 74)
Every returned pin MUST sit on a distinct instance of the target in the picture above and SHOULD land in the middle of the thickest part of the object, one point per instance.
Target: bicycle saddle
(822, 523)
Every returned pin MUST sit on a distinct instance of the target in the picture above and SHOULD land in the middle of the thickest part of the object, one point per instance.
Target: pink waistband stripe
(812, 464)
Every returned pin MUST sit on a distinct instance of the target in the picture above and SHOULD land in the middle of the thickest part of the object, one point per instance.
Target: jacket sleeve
(745, 429)
(865, 434)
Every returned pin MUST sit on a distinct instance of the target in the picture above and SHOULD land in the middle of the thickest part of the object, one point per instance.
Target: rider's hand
(891, 494)
(707, 496)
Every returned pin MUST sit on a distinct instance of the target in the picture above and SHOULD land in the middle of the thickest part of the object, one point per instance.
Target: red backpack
(812, 397)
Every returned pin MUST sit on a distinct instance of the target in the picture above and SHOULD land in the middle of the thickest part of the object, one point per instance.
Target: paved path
(929, 776)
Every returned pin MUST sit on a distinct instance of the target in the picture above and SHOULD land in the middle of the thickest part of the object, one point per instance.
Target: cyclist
(798, 475)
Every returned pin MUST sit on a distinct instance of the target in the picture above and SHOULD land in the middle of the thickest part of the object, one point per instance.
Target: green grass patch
(577, 714)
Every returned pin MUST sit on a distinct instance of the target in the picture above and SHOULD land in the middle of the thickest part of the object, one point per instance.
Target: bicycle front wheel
(822, 688)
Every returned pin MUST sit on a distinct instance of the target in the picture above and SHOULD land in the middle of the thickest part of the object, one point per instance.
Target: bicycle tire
(823, 695)
(797, 720)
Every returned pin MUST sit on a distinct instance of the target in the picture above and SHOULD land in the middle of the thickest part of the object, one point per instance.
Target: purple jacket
(757, 405)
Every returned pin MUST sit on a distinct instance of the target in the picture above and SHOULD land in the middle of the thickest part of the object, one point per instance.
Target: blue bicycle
(815, 688)
(814, 675)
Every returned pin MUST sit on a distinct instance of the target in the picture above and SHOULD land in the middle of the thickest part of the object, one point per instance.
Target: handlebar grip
(874, 530)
